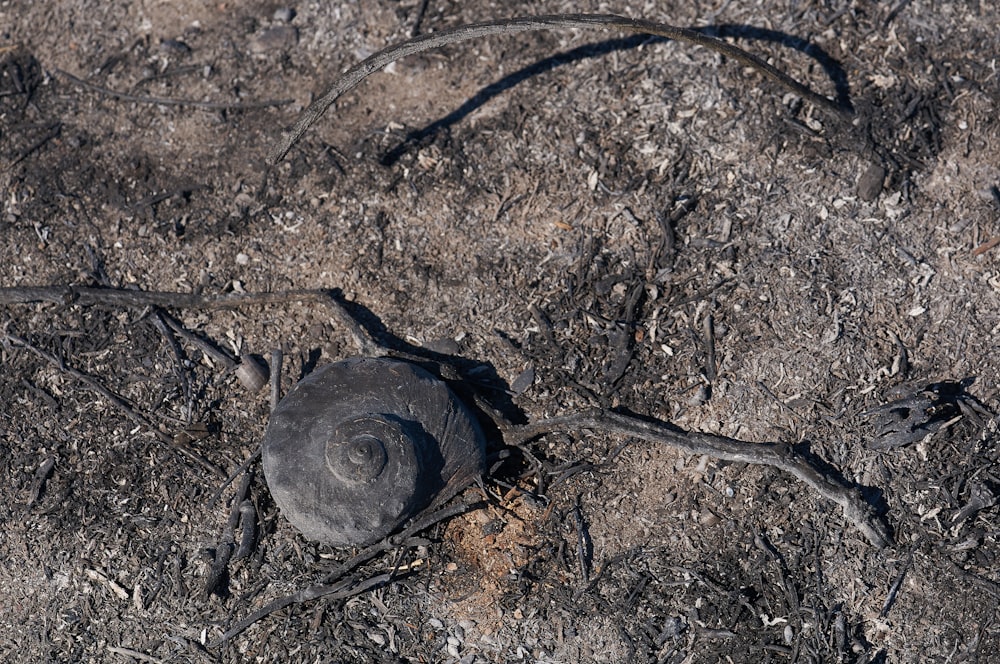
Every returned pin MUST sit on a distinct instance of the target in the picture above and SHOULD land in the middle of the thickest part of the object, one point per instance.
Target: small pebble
(709, 519)
(523, 381)
(278, 38)
(284, 14)
(871, 181)
(673, 628)
(174, 46)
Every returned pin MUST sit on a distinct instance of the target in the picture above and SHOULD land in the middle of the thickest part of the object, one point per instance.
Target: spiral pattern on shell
(362, 445)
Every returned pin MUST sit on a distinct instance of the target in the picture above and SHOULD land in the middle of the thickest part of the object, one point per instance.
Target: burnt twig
(421, 43)
(117, 401)
(778, 455)
(236, 473)
(53, 131)
(277, 358)
(340, 590)
(981, 497)
(164, 101)
(251, 373)
(711, 364)
(335, 585)
(248, 530)
(421, 11)
(890, 598)
(216, 580)
(41, 477)
(88, 295)
(581, 545)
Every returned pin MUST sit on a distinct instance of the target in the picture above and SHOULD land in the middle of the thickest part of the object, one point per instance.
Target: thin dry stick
(277, 357)
(777, 455)
(335, 586)
(87, 295)
(210, 349)
(375, 62)
(53, 131)
(134, 654)
(236, 473)
(116, 400)
(164, 101)
(341, 590)
(394, 541)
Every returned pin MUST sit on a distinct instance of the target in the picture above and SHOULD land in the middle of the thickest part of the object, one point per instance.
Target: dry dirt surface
(564, 220)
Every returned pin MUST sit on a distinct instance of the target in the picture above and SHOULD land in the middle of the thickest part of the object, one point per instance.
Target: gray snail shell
(360, 446)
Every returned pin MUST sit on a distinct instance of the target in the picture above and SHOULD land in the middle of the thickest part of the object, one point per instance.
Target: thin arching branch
(421, 43)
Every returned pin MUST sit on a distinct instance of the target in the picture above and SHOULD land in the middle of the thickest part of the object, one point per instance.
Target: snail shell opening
(360, 446)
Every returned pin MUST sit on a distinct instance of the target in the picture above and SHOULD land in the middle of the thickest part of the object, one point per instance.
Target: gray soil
(634, 224)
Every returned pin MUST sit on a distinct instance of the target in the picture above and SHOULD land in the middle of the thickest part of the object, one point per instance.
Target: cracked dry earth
(579, 219)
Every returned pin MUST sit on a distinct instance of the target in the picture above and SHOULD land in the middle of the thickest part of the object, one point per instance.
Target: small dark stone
(174, 46)
(871, 181)
(523, 381)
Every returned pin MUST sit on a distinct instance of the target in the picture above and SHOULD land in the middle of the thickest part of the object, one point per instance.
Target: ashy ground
(579, 219)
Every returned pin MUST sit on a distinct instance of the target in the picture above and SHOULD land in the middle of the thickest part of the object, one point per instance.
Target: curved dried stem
(375, 62)
(778, 455)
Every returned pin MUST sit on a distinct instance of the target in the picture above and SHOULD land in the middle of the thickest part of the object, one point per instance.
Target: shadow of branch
(829, 64)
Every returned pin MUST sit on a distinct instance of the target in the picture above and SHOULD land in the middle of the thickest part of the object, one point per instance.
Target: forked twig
(778, 455)
(117, 401)
(336, 586)
(341, 590)
(87, 295)
(421, 43)
(166, 101)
